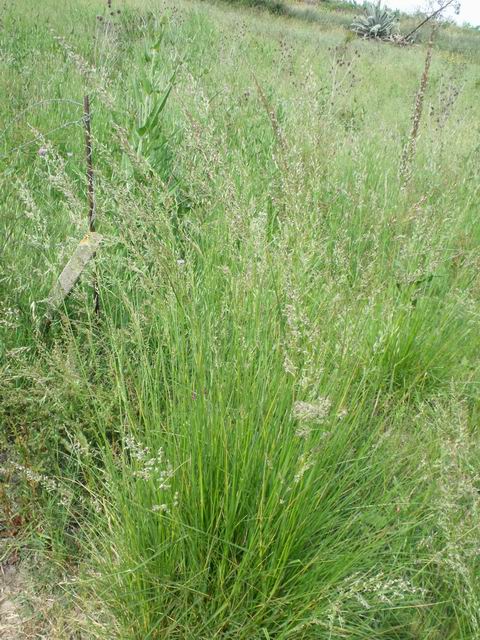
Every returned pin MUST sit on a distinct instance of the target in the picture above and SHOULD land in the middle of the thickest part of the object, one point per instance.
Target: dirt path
(12, 586)
(31, 611)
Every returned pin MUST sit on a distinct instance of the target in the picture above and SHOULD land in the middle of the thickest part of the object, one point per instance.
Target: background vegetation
(271, 431)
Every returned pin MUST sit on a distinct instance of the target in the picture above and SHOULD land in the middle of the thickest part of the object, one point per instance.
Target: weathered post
(88, 246)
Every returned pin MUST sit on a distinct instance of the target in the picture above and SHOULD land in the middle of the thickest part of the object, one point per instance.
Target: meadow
(270, 429)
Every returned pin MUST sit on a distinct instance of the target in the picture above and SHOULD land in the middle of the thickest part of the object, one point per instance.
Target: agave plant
(377, 22)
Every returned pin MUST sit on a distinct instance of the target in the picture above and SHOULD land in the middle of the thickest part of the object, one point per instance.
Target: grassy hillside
(271, 429)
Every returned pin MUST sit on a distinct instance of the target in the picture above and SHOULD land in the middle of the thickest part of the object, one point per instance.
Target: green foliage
(277, 7)
(377, 22)
(149, 136)
(270, 431)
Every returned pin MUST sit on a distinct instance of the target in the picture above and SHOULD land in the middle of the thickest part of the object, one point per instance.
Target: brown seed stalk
(411, 145)
(277, 130)
(89, 157)
(90, 187)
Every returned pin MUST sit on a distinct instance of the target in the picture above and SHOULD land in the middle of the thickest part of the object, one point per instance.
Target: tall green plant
(151, 92)
(377, 22)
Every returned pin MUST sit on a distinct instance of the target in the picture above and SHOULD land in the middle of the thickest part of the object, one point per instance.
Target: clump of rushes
(265, 437)
(408, 154)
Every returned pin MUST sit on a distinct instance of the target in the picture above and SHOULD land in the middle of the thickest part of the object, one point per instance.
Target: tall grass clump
(269, 432)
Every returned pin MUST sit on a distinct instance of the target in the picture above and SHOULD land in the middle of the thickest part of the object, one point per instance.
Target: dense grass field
(271, 430)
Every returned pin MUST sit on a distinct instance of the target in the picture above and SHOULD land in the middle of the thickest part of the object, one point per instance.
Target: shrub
(377, 22)
(272, 6)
